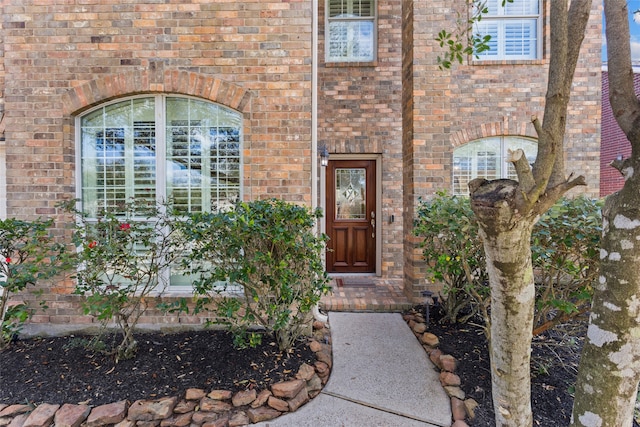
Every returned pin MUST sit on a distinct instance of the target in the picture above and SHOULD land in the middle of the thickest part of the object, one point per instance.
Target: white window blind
(486, 158)
(514, 29)
(351, 31)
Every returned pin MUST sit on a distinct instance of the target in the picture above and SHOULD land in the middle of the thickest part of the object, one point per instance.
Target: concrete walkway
(381, 376)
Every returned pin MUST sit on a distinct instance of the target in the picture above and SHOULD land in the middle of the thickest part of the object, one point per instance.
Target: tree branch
(523, 169)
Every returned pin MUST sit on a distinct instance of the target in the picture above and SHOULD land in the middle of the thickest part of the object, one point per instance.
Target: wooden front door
(351, 216)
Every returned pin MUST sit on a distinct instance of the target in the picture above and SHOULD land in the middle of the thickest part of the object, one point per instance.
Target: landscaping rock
(262, 413)
(430, 339)
(470, 406)
(220, 395)
(19, 420)
(111, 413)
(194, 394)
(315, 346)
(71, 415)
(449, 378)
(448, 363)
(419, 328)
(223, 421)
(244, 397)
(261, 399)
(458, 410)
(239, 419)
(13, 410)
(434, 356)
(305, 372)
(299, 400)
(287, 389)
(278, 404)
(149, 410)
(201, 417)
(454, 391)
(183, 407)
(41, 416)
(177, 420)
(212, 405)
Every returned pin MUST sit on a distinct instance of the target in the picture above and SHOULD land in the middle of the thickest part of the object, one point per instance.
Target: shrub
(565, 249)
(270, 251)
(565, 244)
(120, 259)
(454, 255)
(29, 254)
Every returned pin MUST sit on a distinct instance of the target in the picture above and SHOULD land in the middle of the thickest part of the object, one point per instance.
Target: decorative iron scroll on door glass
(351, 193)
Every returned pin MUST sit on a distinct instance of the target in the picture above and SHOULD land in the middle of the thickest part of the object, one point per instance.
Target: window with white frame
(179, 149)
(515, 28)
(486, 158)
(166, 148)
(351, 31)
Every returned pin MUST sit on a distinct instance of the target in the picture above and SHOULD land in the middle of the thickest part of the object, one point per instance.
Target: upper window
(177, 149)
(515, 30)
(351, 31)
(486, 158)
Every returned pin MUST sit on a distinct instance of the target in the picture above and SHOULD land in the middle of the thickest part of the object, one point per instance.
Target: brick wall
(447, 108)
(64, 56)
(360, 112)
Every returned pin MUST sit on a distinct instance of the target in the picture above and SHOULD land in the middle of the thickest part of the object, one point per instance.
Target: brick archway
(486, 130)
(113, 86)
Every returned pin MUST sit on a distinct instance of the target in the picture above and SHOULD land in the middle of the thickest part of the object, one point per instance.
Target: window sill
(478, 62)
(351, 64)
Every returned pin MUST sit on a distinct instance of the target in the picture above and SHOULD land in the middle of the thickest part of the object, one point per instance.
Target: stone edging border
(462, 408)
(217, 408)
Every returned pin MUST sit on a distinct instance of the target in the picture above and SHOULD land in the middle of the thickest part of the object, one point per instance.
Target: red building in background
(613, 142)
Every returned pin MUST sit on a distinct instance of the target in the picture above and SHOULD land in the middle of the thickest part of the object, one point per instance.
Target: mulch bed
(61, 370)
(554, 367)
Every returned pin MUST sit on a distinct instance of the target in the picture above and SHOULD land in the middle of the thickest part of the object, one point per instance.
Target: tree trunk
(609, 370)
(506, 236)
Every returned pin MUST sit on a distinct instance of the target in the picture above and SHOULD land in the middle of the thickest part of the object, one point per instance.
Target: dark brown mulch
(555, 358)
(60, 370)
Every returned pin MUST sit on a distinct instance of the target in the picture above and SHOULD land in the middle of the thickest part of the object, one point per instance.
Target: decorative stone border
(462, 409)
(216, 408)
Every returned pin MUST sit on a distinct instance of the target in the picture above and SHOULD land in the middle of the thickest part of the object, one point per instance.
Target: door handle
(373, 224)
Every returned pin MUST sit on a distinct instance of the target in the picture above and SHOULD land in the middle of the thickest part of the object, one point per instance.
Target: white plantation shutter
(485, 158)
(172, 148)
(514, 29)
(351, 31)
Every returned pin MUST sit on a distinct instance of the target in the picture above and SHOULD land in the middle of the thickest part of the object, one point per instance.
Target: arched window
(486, 158)
(179, 149)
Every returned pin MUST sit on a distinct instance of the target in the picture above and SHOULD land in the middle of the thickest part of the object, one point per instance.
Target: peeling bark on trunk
(609, 371)
(506, 236)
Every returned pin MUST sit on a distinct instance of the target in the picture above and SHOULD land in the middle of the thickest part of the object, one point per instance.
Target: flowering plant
(121, 257)
(28, 254)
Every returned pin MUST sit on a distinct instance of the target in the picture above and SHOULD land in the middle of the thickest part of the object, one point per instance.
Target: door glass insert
(351, 193)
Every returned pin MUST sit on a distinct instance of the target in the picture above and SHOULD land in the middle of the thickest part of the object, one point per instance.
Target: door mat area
(355, 282)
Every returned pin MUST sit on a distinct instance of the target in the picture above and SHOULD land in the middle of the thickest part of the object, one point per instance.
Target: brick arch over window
(486, 130)
(173, 81)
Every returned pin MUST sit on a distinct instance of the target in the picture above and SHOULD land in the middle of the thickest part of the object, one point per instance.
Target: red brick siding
(614, 142)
